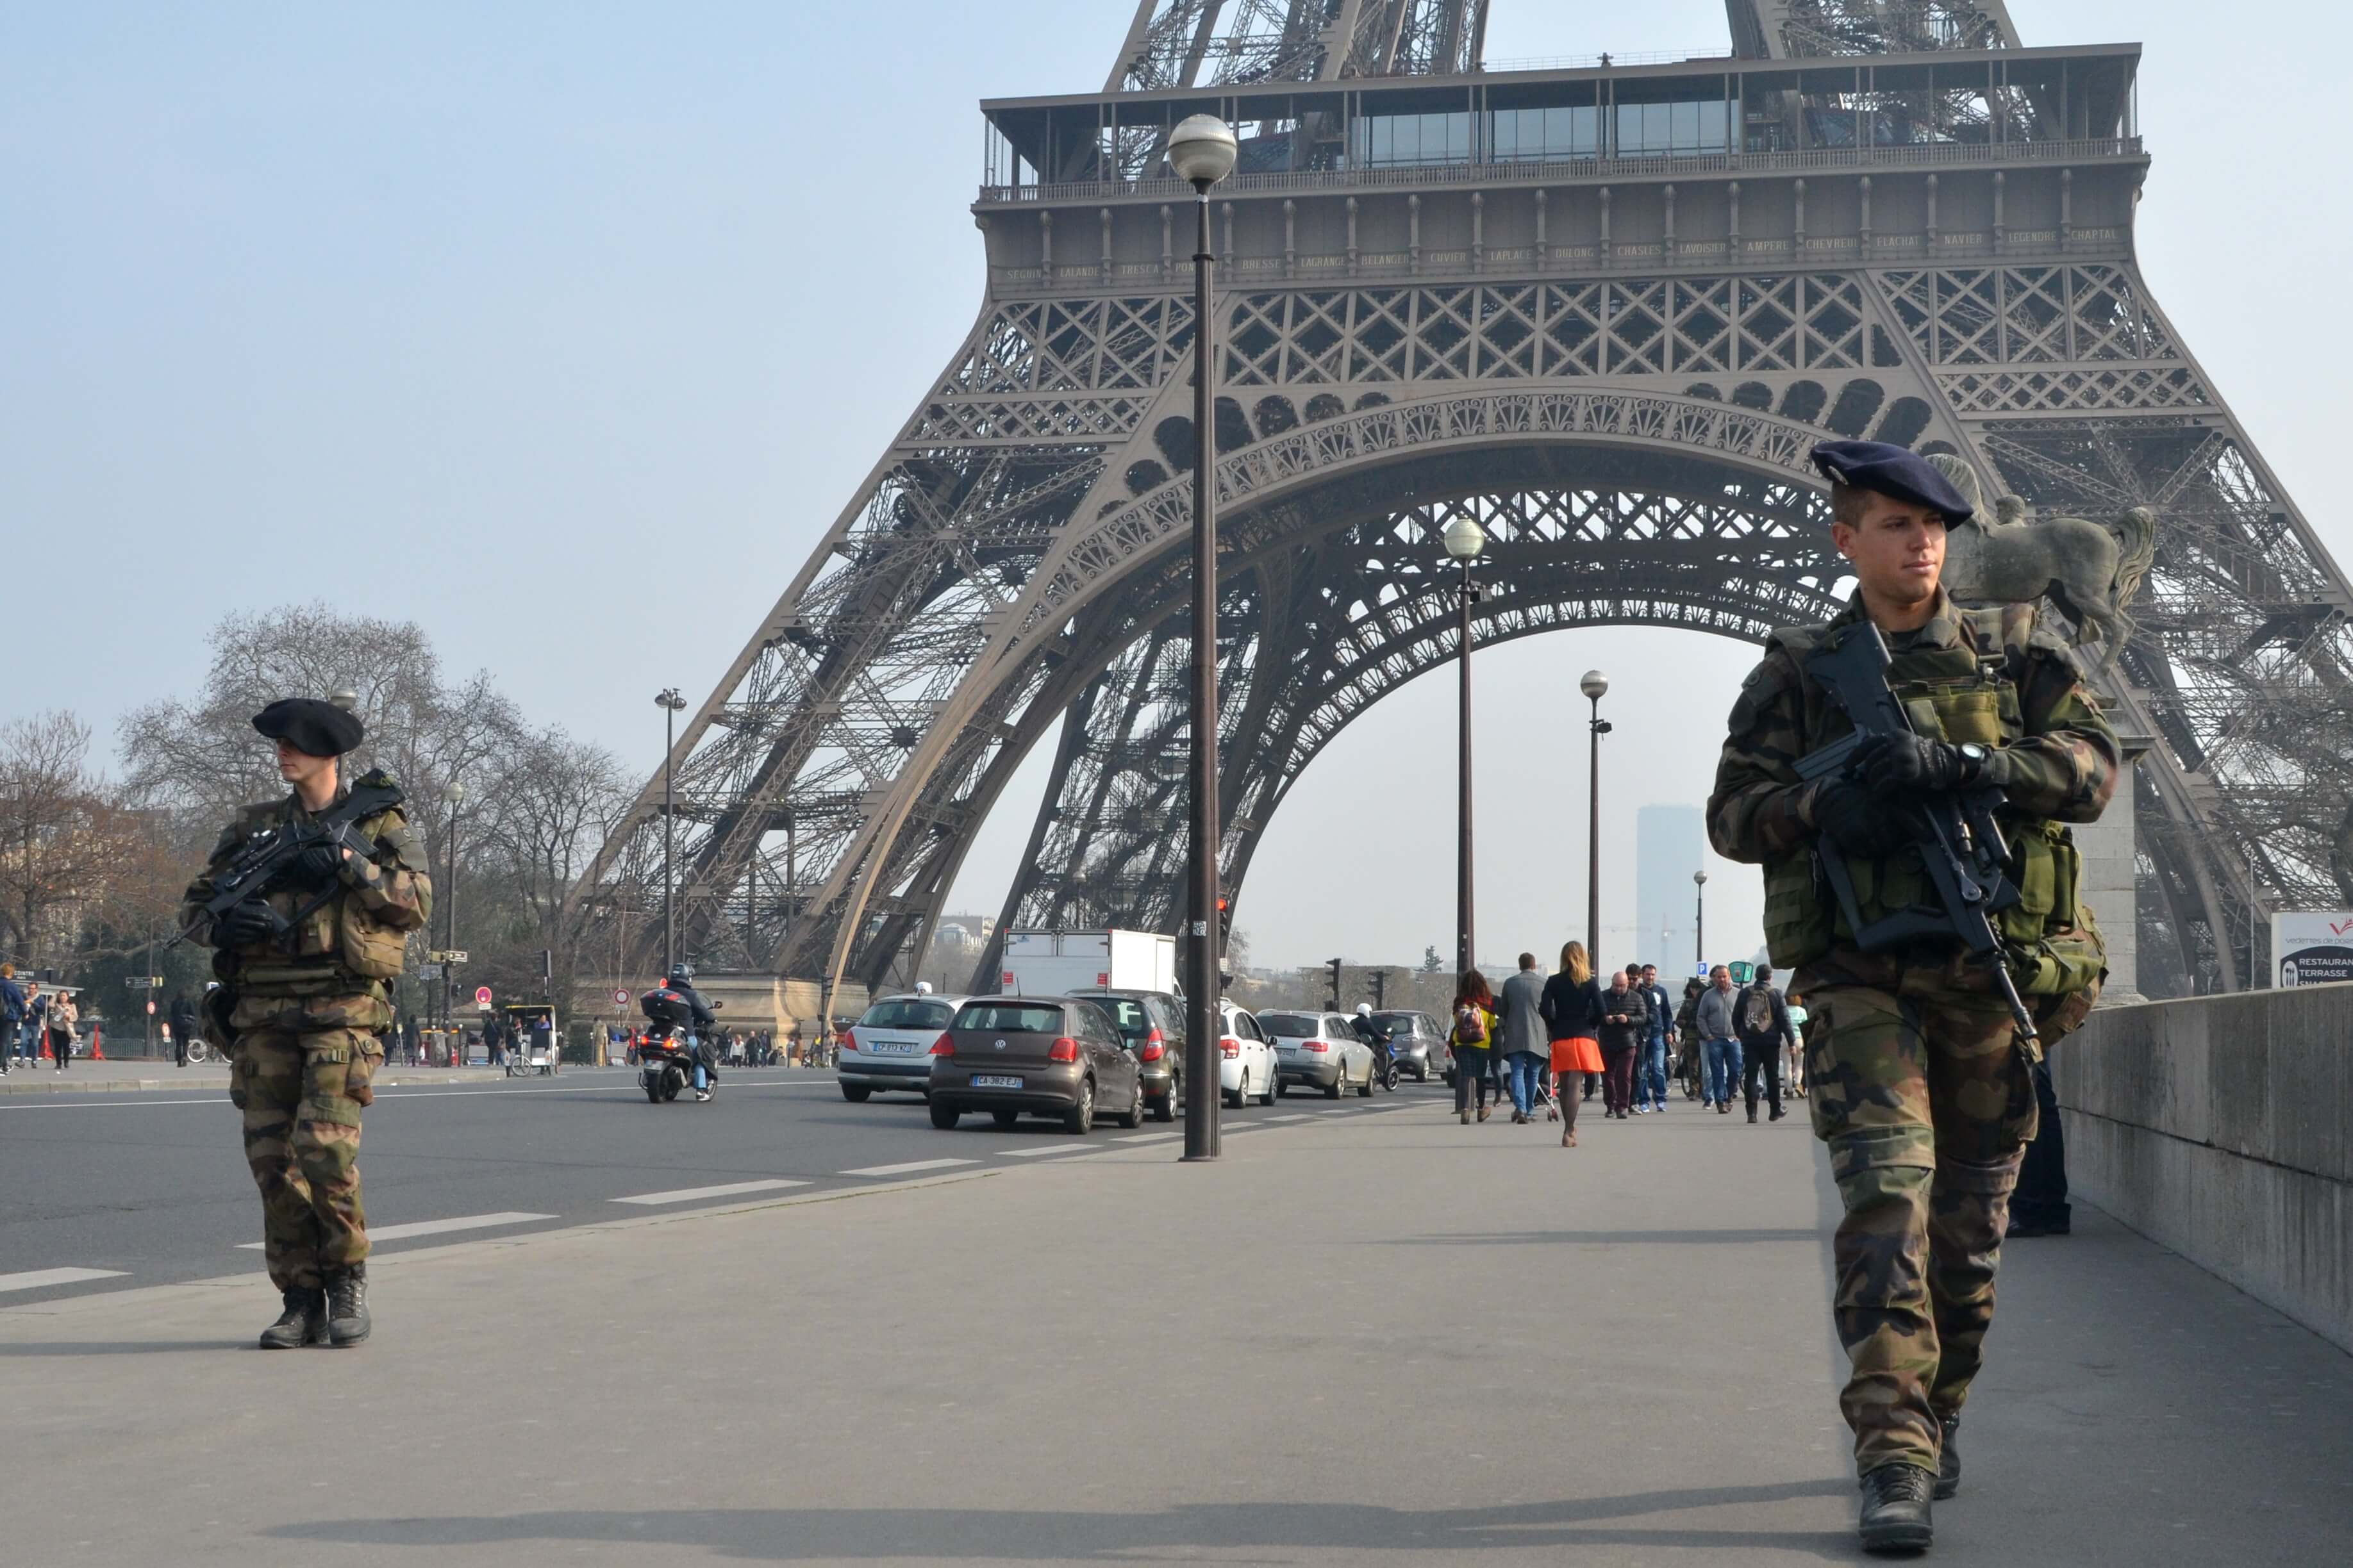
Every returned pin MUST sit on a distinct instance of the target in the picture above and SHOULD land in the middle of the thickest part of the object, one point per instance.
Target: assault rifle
(1955, 834)
(260, 859)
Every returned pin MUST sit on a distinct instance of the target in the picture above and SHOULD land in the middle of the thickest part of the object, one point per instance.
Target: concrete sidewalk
(1389, 1337)
(135, 1074)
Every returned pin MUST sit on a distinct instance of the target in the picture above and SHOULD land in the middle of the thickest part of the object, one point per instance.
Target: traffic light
(1334, 965)
(1380, 978)
(546, 964)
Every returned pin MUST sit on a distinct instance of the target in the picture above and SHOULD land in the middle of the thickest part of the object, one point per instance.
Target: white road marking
(689, 1195)
(1046, 1149)
(1295, 1116)
(1144, 1137)
(432, 1226)
(1335, 1113)
(908, 1167)
(41, 1278)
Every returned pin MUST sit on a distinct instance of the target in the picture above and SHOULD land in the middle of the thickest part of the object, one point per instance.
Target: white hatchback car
(1320, 1050)
(1247, 1069)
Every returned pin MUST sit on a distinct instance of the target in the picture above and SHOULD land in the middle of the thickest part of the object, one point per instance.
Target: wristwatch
(1974, 752)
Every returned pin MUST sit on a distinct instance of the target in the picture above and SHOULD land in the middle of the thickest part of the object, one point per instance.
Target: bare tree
(64, 846)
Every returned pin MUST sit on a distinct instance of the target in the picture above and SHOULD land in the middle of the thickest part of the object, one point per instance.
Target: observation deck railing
(1420, 177)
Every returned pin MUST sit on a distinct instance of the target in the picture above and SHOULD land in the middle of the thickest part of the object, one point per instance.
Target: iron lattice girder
(1198, 42)
(1350, 618)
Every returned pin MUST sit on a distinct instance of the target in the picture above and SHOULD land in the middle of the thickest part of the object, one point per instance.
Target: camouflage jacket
(2059, 765)
(353, 943)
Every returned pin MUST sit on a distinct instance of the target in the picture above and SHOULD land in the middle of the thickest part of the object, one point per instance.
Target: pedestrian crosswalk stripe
(41, 1278)
(908, 1168)
(1047, 1149)
(432, 1227)
(690, 1195)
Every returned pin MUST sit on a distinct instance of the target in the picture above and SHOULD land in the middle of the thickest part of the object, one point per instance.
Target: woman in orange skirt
(1572, 1012)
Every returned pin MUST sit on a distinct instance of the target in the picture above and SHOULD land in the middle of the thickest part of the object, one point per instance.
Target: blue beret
(312, 727)
(1892, 471)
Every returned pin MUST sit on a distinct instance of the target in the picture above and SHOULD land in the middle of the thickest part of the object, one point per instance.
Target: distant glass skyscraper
(1670, 844)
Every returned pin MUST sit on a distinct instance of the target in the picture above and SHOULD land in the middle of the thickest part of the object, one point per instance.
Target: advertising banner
(2312, 949)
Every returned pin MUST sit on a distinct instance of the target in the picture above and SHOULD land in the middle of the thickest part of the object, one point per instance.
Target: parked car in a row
(1417, 1043)
(1054, 1056)
(1319, 1050)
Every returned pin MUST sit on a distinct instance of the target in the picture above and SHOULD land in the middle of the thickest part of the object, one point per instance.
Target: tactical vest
(340, 948)
(1954, 694)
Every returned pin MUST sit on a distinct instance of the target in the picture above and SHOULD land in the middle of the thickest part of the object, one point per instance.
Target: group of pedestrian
(31, 1021)
(1537, 1039)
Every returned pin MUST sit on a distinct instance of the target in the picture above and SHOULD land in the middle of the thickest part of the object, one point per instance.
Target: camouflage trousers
(301, 1095)
(1926, 1104)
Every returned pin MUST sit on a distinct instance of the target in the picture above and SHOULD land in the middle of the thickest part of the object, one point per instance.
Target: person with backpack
(1765, 1030)
(1472, 1040)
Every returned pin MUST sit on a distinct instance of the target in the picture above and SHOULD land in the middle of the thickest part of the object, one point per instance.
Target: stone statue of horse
(2090, 570)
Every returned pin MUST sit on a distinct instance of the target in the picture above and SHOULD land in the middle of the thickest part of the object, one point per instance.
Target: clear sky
(493, 316)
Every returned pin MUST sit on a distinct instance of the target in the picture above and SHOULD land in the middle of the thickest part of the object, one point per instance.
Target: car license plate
(990, 1080)
(892, 1048)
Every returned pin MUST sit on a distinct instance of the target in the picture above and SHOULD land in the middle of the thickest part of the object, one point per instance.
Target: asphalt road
(117, 1191)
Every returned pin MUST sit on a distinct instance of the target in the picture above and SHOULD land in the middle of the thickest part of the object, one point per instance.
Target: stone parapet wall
(2222, 1127)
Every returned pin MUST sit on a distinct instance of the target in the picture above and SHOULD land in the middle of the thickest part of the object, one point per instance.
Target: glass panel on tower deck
(1548, 135)
(1673, 129)
(1403, 141)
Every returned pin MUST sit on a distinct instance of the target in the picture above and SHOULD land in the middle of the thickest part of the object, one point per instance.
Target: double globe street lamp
(1202, 150)
(1464, 540)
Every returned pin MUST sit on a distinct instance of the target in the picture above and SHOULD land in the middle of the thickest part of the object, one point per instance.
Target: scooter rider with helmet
(1373, 1035)
(680, 979)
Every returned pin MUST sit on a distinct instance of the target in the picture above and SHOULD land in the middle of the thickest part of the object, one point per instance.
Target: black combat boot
(303, 1322)
(347, 1309)
(1949, 1459)
(1896, 1508)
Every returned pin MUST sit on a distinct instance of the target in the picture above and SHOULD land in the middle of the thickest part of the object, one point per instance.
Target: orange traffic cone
(98, 1045)
(45, 1047)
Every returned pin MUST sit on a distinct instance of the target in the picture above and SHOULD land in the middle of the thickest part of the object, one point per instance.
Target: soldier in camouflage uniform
(300, 1014)
(1919, 1081)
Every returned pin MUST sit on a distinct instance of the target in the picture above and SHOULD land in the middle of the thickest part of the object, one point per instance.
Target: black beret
(310, 725)
(1892, 471)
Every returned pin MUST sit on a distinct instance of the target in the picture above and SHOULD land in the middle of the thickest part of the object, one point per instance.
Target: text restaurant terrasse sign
(2312, 949)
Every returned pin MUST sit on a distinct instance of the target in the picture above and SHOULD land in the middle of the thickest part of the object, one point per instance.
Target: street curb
(51, 1081)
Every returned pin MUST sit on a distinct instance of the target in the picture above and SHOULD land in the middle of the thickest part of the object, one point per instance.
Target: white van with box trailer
(1057, 962)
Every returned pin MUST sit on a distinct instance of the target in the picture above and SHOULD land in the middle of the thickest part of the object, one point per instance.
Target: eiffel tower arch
(1603, 305)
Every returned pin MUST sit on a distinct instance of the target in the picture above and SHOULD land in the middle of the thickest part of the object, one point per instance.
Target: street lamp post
(1699, 922)
(1464, 540)
(1594, 684)
(454, 793)
(1201, 150)
(670, 702)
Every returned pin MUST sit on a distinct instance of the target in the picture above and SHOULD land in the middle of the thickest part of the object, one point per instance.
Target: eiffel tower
(1604, 306)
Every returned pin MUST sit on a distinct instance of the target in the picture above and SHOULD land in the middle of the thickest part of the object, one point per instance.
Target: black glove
(1915, 764)
(317, 866)
(248, 924)
(1858, 825)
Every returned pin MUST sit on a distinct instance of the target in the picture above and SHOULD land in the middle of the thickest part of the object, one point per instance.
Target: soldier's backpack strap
(2011, 628)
